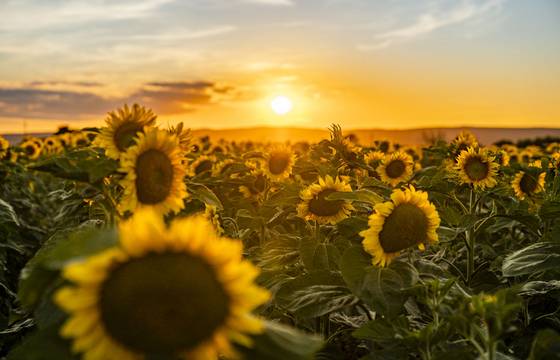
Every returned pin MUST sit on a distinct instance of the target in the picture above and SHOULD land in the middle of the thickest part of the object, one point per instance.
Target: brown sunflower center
(476, 168)
(259, 185)
(125, 134)
(278, 162)
(203, 166)
(29, 150)
(395, 168)
(406, 226)
(528, 184)
(163, 304)
(154, 176)
(319, 206)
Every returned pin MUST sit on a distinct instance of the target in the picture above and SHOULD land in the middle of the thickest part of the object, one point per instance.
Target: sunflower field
(134, 241)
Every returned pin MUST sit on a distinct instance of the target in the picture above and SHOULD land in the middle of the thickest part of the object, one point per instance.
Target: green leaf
(318, 256)
(363, 195)
(43, 345)
(381, 288)
(204, 194)
(8, 214)
(57, 251)
(537, 257)
(381, 330)
(546, 345)
(550, 210)
(315, 294)
(541, 288)
(280, 342)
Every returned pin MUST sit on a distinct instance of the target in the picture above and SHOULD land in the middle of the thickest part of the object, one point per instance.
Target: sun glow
(281, 105)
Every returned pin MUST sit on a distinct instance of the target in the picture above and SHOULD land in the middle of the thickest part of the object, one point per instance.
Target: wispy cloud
(271, 2)
(431, 21)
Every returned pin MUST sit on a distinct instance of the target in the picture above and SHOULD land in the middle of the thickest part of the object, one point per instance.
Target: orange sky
(218, 63)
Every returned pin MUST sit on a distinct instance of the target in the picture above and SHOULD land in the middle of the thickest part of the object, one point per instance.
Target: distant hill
(365, 136)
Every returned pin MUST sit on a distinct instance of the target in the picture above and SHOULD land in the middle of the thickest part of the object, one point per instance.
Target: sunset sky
(219, 63)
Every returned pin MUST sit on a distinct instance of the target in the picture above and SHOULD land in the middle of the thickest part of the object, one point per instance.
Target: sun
(281, 105)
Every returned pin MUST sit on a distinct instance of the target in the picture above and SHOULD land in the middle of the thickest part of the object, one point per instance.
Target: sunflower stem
(469, 235)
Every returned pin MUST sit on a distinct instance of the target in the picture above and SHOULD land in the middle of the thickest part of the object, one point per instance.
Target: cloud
(431, 21)
(166, 98)
(271, 2)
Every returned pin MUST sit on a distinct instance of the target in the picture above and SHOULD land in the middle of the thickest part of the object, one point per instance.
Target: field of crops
(133, 241)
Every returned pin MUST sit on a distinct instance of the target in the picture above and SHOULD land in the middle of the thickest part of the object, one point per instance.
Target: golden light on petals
(314, 205)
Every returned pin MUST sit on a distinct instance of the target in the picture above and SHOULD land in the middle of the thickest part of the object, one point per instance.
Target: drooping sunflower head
(256, 186)
(202, 164)
(408, 220)
(122, 128)
(315, 206)
(154, 173)
(31, 149)
(527, 184)
(396, 168)
(278, 163)
(178, 292)
(477, 167)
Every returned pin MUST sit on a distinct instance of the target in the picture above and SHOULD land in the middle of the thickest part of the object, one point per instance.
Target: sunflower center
(259, 184)
(162, 304)
(528, 184)
(30, 150)
(395, 169)
(154, 176)
(321, 207)
(125, 135)
(406, 226)
(278, 163)
(476, 169)
(204, 165)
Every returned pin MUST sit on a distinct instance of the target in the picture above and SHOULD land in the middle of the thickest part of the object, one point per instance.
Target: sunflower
(154, 173)
(256, 187)
(123, 126)
(385, 146)
(220, 168)
(31, 149)
(202, 164)
(373, 160)
(211, 214)
(477, 167)
(79, 139)
(184, 136)
(52, 145)
(4, 146)
(278, 163)
(314, 206)
(463, 141)
(526, 184)
(396, 168)
(170, 292)
(409, 219)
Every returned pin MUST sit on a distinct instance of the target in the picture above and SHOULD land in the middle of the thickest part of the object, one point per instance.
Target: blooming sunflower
(477, 167)
(211, 214)
(220, 168)
(202, 164)
(278, 163)
(184, 136)
(31, 149)
(154, 173)
(52, 145)
(463, 141)
(123, 126)
(526, 185)
(396, 168)
(175, 292)
(373, 159)
(314, 206)
(256, 187)
(409, 219)
(79, 139)
(4, 146)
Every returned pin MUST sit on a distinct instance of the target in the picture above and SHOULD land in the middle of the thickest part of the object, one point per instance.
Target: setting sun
(281, 105)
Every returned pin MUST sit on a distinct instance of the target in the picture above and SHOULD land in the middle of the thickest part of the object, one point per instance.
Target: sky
(388, 64)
